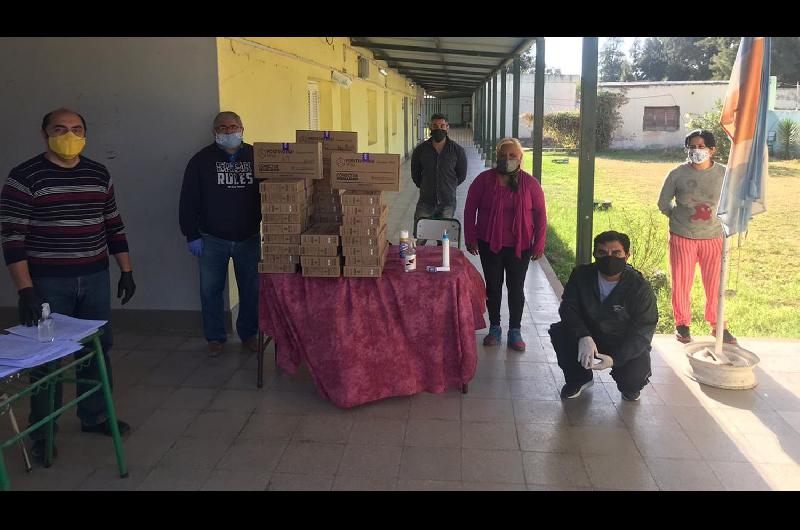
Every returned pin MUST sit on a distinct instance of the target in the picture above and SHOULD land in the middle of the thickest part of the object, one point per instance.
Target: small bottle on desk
(45, 327)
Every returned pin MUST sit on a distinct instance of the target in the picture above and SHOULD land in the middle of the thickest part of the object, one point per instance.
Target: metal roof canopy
(446, 66)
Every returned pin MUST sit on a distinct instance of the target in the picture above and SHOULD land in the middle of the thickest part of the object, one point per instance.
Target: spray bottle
(408, 252)
(45, 328)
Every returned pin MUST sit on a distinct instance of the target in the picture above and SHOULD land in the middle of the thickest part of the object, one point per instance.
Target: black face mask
(438, 135)
(610, 265)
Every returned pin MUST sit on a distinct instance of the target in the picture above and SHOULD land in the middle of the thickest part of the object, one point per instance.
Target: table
(365, 339)
(15, 388)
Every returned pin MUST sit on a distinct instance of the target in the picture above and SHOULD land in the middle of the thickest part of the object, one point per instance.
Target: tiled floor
(200, 423)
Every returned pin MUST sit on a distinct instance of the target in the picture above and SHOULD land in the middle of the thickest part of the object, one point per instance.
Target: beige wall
(691, 98)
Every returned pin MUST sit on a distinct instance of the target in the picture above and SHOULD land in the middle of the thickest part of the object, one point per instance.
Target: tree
(636, 59)
(787, 137)
(527, 62)
(686, 59)
(612, 59)
(651, 61)
(786, 59)
(723, 54)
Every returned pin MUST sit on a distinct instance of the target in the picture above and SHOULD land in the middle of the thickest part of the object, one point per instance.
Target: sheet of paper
(65, 328)
(21, 352)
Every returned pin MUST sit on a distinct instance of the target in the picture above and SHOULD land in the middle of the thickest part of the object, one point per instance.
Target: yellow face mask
(67, 146)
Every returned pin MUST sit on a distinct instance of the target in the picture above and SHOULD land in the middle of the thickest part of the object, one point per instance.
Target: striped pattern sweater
(63, 221)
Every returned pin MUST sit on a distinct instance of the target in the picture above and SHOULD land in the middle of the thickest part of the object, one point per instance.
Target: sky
(565, 52)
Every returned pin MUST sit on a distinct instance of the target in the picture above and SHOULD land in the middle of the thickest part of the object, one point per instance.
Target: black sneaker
(682, 334)
(105, 428)
(631, 396)
(38, 450)
(727, 338)
(573, 390)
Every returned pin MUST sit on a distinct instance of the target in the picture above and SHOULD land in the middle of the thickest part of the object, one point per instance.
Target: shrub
(564, 127)
(787, 138)
(608, 117)
(648, 242)
(710, 120)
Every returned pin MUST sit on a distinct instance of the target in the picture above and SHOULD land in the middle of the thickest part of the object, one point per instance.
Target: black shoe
(631, 396)
(682, 334)
(727, 338)
(573, 390)
(38, 450)
(105, 428)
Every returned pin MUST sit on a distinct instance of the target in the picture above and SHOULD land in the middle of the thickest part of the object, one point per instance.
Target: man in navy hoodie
(220, 212)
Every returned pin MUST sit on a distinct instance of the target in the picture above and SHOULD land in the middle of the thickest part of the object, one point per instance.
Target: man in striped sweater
(59, 222)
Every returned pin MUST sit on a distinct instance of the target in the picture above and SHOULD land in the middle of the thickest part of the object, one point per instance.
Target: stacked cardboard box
(289, 170)
(363, 232)
(284, 216)
(327, 200)
(320, 252)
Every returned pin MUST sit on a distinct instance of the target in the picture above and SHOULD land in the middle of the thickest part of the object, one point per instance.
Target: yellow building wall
(265, 80)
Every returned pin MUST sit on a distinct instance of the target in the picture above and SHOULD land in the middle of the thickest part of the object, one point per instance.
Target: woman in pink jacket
(505, 222)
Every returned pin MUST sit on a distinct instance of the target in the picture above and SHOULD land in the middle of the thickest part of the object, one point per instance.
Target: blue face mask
(229, 140)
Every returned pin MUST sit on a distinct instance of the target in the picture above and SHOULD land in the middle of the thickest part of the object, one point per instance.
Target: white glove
(605, 362)
(587, 349)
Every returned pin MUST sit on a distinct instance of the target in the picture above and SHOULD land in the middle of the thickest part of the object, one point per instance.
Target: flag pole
(723, 281)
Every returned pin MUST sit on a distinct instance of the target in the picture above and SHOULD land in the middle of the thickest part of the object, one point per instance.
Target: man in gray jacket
(438, 166)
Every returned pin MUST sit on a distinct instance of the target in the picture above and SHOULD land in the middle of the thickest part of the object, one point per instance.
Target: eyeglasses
(227, 128)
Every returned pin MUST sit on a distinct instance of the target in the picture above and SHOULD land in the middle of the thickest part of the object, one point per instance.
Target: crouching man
(608, 317)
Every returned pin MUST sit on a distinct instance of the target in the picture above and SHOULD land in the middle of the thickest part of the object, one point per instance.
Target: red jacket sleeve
(539, 217)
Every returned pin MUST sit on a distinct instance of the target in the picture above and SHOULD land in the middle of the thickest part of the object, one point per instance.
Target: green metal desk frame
(66, 374)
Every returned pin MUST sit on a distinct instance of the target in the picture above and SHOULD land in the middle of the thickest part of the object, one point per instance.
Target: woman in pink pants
(695, 233)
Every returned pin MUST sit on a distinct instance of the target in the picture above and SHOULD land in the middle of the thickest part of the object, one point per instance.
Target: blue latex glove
(196, 247)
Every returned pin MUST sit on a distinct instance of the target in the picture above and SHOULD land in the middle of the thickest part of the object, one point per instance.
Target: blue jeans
(86, 297)
(213, 272)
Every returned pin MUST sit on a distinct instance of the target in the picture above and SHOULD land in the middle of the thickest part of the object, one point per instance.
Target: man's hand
(537, 256)
(587, 349)
(30, 306)
(126, 286)
(196, 247)
(606, 362)
(472, 248)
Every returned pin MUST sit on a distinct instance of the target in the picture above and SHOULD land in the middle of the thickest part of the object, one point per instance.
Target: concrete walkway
(200, 423)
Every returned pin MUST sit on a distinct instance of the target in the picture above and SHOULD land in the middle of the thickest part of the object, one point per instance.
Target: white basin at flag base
(708, 372)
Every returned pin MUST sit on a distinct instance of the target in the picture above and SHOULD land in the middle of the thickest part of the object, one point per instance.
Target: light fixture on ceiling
(341, 78)
(383, 72)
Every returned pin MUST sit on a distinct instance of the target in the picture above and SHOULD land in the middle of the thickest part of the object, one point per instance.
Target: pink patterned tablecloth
(370, 338)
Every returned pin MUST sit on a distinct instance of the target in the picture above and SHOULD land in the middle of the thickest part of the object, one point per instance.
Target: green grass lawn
(767, 299)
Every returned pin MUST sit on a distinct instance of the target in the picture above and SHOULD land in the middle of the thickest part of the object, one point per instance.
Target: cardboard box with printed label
(331, 141)
(319, 250)
(287, 218)
(282, 186)
(363, 211)
(281, 239)
(364, 241)
(321, 234)
(363, 272)
(284, 228)
(362, 198)
(331, 218)
(349, 252)
(280, 250)
(285, 268)
(287, 160)
(365, 171)
(328, 208)
(369, 231)
(277, 259)
(322, 272)
(366, 220)
(321, 261)
(280, 197)
(283, 208)
(377, 260)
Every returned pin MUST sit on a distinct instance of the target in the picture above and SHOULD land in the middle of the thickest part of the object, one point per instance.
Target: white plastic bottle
(445, 251)
(46, 325)
(408, 252)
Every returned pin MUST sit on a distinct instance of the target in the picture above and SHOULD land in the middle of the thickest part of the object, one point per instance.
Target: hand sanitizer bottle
(445, 251)
(45, 327)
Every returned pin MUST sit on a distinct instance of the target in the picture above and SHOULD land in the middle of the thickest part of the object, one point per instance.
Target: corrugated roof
(654, 83)
(445, 66)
